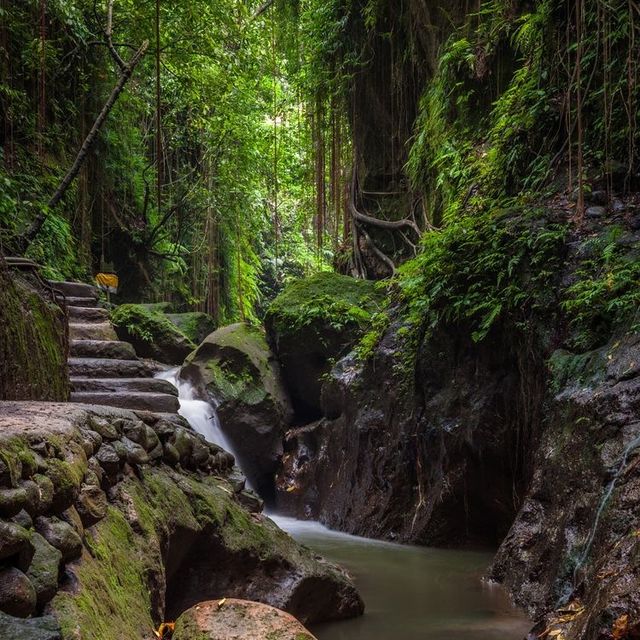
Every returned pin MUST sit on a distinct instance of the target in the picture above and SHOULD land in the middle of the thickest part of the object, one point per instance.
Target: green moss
(327, 298)
(196, 326)
(236, 364)
(112, 601)
(569, 369)
(148, 325)
(32, 343)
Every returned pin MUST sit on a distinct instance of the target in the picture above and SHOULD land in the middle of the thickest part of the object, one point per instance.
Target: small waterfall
(199, 414)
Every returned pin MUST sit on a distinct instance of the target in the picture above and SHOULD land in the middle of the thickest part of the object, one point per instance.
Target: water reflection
(413, 593)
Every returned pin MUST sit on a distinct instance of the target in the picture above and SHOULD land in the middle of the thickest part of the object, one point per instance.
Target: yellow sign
(107, 282)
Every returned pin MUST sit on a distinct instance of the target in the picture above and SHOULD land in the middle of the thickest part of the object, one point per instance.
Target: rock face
(573, 547)
(313, 323)
(236, 371)
(33, 340)
(514, 440)
(135, 518)
(195, 325)
(413, 464)
(151, 333)
(231, 619)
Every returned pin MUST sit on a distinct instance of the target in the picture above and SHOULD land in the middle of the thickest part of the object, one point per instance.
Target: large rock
(571, 556)
(313, 323)
(44, 628)
(195, 325)
(231, 619)
(235, 369)
(151, 333)
(17, 594)
(44, 569)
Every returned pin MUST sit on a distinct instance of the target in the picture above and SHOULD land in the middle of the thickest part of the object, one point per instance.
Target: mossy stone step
(76, 289)
(92, 331)
(102, 349)
(108, 368)
(162, 402)
(130, 385)
(88, 314)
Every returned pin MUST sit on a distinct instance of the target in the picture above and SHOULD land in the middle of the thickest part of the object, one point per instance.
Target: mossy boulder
(236, 370)
(313, 323)
(33, 340)
(151, 333)
(230, 619)
(195, 325)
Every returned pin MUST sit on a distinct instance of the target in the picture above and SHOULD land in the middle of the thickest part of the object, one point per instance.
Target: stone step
(76, 289)
(102, 349)
(108, 368)
(88, 314)
(129, 385)
(160, 402)
(92, 331)
(73, 301)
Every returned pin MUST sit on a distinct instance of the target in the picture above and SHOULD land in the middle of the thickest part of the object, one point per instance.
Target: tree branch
(125, 76)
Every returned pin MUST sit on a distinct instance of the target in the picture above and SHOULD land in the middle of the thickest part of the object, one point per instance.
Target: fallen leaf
(221, 602)
(620, 627)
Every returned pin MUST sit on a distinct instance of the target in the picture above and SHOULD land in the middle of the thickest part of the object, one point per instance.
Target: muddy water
(413, 593)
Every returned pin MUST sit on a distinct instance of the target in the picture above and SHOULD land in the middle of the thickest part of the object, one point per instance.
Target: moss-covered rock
(33, 341)
(195, 325)
(151, 333)
(235, 368)
(311, 324)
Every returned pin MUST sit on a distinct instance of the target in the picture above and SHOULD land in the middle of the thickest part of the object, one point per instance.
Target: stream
(410, 593)
(413, 593)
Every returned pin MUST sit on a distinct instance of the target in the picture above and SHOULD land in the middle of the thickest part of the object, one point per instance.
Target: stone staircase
(102, 369)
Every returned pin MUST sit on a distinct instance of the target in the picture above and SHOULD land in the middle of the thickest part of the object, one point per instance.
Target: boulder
(236, 371)
(44, 569)
(151, 333)
(231, 619)
(195, 325)
(61, 535)
(17, 595)
(44, 628)
(313, 323)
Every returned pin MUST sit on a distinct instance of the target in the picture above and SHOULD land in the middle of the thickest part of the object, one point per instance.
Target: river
(410, 593)
(413, 593)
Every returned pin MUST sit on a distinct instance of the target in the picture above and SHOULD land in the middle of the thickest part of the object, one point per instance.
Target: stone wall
(33, 340)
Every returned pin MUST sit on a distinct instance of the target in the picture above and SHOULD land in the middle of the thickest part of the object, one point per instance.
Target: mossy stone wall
(33, 341)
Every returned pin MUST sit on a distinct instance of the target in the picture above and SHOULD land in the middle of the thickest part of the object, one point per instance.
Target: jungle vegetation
(253, 142)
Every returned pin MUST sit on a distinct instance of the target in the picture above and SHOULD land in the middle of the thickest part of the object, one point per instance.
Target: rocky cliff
(516, 426)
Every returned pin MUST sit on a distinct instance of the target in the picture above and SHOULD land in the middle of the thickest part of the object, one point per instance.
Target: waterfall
(199, 414)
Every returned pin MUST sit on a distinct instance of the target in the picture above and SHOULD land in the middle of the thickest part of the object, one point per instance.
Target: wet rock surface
(124, 535)
(231, 619)
(571, 555)
(235, 369)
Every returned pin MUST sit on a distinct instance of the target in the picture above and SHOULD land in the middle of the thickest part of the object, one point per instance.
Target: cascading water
(199, 414)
